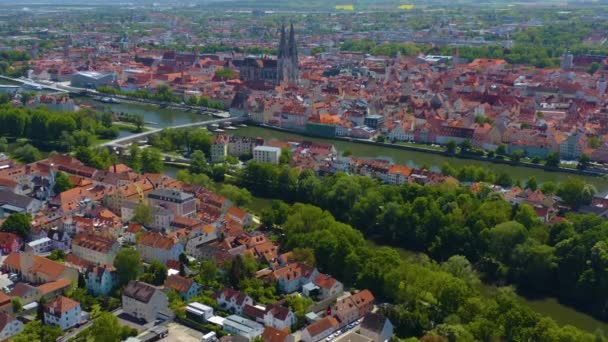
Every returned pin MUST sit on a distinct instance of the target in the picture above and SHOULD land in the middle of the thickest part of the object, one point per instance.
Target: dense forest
(506, 243)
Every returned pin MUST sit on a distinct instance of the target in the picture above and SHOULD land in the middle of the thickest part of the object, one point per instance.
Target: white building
(267, 154)
(242, 326)
(144, 301)
(200, 312)
(9, 326)
(41, 246)
(62, 312)
(376, 327)
(319, 329)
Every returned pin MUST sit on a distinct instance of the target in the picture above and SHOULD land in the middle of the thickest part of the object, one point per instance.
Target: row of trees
(162, 93)
(508, 243)
(429, 299)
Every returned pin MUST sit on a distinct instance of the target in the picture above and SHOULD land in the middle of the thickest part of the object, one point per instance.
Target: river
(414, 158)
(548, 306)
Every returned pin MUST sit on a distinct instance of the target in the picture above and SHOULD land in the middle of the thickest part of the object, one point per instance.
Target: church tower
(287, 63)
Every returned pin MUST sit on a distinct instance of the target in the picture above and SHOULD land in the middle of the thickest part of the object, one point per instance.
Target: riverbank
(418, 158)
(421, 148)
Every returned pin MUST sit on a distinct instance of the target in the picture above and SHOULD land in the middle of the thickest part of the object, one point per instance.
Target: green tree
(151, 161)
(142, 214)
(18, 223)
(105, 328)
(156, 273)
(198, 163)
(531, 183)
(575, 192)
(239, 196)
(36, 331)
(583, 162)
(27, 153)
(504, 237)
(127, 264)
(593, 68)
(17, 304)
(208, 273)
(553, 159)
(135, 158)
(517, 155)
(304, 255)
(451, 147)
(501, 149)
(62, 182)
(548, 187)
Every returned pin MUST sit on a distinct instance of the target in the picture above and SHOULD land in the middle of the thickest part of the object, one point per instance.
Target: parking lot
(180, 333)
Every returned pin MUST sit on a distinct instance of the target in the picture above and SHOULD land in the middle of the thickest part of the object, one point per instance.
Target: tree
(548, 188)
(156, 273)
(460, 267)
(241, 267)
(517, 155)
(583, 162)
(531, 183)
(451, 147)
(304, 255)
(575, 192)
(504, 237)
(135, 158)
(553, 159)
(36, 331)
(27, 153)
(465, 146)
(347, 153)
(208, 273)
(17, 304)
(138, 121)
(128, 265)
(501, 149)
(143, 214)
(240, 196)
(18, 223)
(105, 328)
(151, 160)
(62, 183)
(380, 138)
(198, 163)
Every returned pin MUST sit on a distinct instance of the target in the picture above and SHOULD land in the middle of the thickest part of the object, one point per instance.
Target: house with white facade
(280, 317)
(292, 277)
(242, 326)
(95, 249)
(62, 312)
(377, 327)
(9, 326)
(185, 287)
(101, 280)
(144, 301)
(267, 154)
(232, 300)
(154, 246)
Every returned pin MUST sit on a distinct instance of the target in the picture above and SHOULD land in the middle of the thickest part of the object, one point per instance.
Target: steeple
(287, 63)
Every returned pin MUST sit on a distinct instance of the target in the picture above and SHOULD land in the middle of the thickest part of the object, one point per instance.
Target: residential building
(279, 317)
(267, 154)
(239, 215)
(199, 312)
(41, 246)
(350, 309)
(274, 335)
(328, 286)
(178, 202)
(144, 301)
(37, 269)
(9, 326)
(101, 280)
(377, 327)
(9, 243)
(242, 326)
(319, 330)
(62, 312)
(154, 246)
(232, 300)
(219, 148)
(292, 277)
(95, 249)
(185, 287)
(14, 203)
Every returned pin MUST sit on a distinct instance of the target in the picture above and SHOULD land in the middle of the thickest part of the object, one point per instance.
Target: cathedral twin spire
(288, 57)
